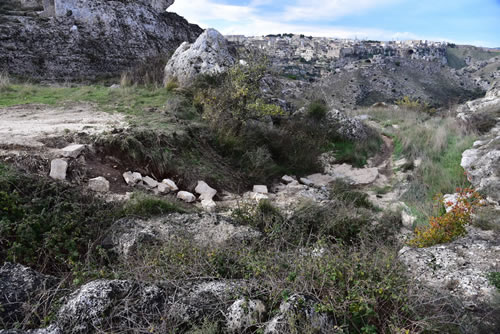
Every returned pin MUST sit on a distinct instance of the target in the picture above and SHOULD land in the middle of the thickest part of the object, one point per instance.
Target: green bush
(317, 110)
(48, 226)
(494, 279)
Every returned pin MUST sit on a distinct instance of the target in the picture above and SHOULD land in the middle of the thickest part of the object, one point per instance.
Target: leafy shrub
(450, 225)
(317, 110)
(236, 97)
(48, 225)
(494, 279)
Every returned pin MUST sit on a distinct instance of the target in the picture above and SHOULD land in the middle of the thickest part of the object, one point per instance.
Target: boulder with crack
(208, 55)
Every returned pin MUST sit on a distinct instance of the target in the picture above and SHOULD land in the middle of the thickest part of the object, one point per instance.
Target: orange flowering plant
(450, 225)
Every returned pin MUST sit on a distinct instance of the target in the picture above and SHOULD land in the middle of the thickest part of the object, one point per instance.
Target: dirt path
(27, 125)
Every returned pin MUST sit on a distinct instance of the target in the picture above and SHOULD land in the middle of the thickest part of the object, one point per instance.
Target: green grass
(145, 205)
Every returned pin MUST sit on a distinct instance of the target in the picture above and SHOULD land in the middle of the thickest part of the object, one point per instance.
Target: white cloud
(332, 9)
(202, 11)
(249, 21)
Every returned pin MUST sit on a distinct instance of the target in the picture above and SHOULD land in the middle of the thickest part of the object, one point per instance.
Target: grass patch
(145, 205)
(494, 279)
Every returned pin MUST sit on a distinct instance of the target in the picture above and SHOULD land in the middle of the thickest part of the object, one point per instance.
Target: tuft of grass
(317, 110)
(145, 205)
(4, 81)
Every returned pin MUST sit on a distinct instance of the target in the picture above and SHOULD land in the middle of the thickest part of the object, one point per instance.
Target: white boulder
(186, 196)
(205, 191)
(208, 55)
(243, 314)
(260, 189)
(58, 169)
(170, 184)
(72, 151)
(132, 178)
(99, 184)
(150, 182)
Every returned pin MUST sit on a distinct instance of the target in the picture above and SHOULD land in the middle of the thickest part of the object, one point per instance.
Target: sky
(474, 22)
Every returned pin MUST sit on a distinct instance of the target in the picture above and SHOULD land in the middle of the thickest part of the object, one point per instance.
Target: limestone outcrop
(88, 39)
(208, 55)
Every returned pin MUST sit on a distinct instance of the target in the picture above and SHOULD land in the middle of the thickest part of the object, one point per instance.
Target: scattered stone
(186, 196)
(171, 185)
(163, 188)
(99, 184)
(21, 286)
(243, 314)
(205, 191)
(357, 176)
(320, 180)
(208, 205)
(287, 179)
(260, 189)
(72, 151)
(306, 181)
(58, 169)
(259, 197)
(407, 218)
(132, 178)
(208, 55)
(150, 182)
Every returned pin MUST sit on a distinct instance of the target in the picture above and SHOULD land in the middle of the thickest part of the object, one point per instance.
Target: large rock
(105, 304)
(99, 184)
(205, 191)
(482, 165)
(244, 314)
(128, 234)
(356, 176)
(90, 38)
(208, 55)
(299, 311)
(460, 267)
(346, 127)
(58, 169)
(20, 288)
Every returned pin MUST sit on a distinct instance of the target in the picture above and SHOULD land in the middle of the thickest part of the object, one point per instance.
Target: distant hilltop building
(289, 46)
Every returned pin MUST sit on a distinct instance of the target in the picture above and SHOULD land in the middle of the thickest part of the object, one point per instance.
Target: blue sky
(474, 22)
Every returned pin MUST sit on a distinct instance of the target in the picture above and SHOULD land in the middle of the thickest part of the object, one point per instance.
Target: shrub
(494, 279)
(450, 225)
(317, 110)
(47, 225)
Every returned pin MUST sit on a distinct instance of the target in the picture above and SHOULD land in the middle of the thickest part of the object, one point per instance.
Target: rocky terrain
(87, 39)
(230, 199)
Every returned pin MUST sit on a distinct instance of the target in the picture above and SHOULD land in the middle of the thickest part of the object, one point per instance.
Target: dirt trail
(27, 125)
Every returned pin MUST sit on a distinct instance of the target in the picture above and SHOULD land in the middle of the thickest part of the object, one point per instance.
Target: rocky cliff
(86, 39)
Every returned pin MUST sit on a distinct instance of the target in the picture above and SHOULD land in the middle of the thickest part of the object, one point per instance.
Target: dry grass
(4, 80)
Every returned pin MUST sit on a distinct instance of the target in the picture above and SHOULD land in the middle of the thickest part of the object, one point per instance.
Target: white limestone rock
(150, 182)
(208, 55)
(208, 205)
(58, 169)
(99, 184)
(72, 151)
(243, 314)
(260, 189)
(205, 191)
(170, 184)
(132, 178)
(287, 179)
(186, 196)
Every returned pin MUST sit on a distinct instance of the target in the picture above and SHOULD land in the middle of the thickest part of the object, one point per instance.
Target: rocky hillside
(363, 83)
(86, 39)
